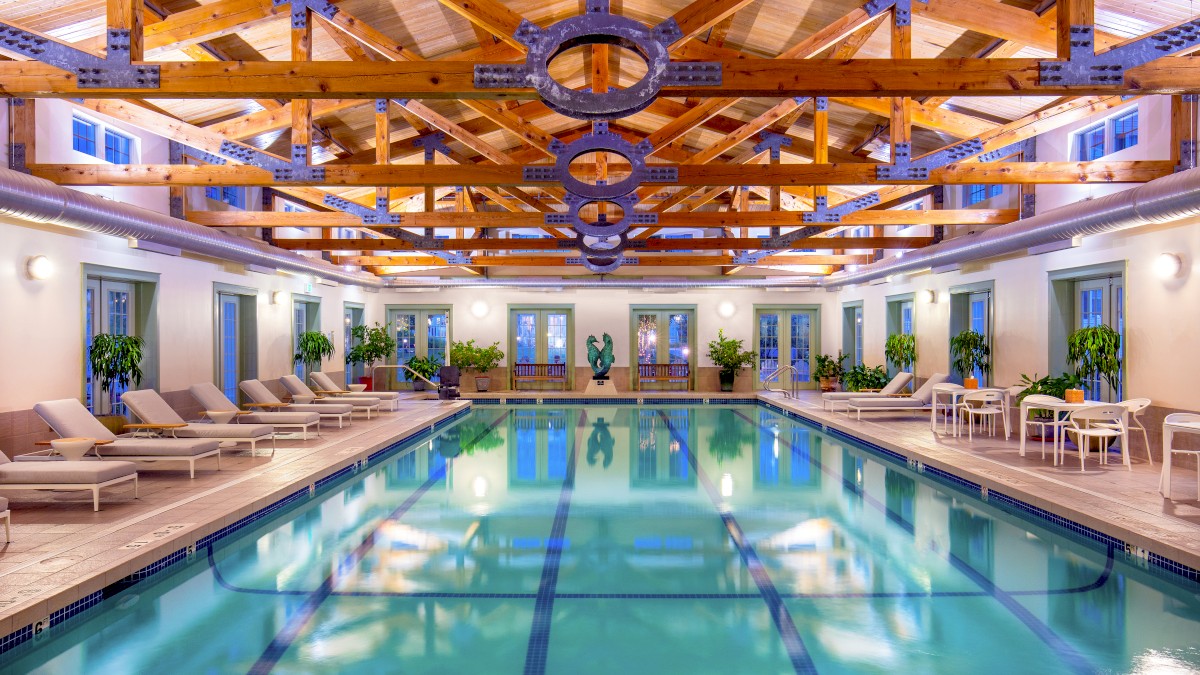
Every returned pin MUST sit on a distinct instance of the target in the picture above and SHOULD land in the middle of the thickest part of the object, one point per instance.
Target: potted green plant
(371, 344)
(900, 349)
(969, 351)
(1095, 351)
(426, 367)
(312, 347)
(829, 370)
(1046, 386)
(115, 361)
(728, 355)
(466, 356)
(863, 378)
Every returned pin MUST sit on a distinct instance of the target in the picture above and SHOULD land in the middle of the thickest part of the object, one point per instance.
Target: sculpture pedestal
(600, 386)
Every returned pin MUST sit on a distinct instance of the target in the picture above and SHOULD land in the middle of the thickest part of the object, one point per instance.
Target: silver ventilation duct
(1162, 200)
(34, 199)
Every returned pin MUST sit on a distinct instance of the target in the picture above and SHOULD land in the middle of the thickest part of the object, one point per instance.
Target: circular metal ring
(601, 265)
(591, 250)
(601, 229)
(596, 29)
(601, 140)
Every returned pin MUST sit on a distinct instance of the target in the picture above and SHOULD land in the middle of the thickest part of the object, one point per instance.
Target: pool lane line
(801, 660)
(1065, 651)
(543, 607)
(300, 618)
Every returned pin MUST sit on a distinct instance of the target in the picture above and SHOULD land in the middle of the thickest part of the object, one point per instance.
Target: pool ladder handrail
(405, 367)
(787, 393)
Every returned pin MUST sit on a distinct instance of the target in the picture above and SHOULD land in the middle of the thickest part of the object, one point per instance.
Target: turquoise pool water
(619, 539)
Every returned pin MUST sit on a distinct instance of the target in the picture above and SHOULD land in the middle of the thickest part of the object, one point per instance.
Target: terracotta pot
(970, 383)
(1073, 396)
(828, 384)
(482, 382)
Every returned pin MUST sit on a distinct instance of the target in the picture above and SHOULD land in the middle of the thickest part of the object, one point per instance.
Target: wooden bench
(540, 372)
(664, 372)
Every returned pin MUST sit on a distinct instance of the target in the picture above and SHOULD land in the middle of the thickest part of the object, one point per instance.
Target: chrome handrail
(793, 392)
(404, 367)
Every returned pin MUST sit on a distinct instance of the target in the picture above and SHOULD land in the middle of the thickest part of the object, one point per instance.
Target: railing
(404, 367)
(792, 393)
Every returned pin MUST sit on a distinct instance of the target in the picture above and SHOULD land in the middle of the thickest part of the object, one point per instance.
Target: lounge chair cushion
(211, 398)
(150, 407)
(70, 419)
(3, 504)
(321, 408)
(67, 472)
(166, 447)
(887, 403)
(258, 392)
(296, 387)
(281, 418)
(893, 387)
(327, 383)
(223, 431)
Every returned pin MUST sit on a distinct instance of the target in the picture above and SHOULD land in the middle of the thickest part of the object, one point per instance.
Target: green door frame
(814, 340)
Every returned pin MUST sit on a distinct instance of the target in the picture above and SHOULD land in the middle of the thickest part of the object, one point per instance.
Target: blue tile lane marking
(300, 618)
(801, 660)
(1072, 658)
(543, 608)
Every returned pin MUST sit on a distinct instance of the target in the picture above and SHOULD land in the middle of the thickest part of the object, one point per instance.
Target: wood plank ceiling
(856, 130)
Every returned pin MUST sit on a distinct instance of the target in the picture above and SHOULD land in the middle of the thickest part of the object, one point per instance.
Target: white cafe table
(954, 396)
(1056, 408)
(1169, 431)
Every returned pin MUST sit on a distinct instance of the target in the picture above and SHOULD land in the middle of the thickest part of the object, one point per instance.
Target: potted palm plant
(115, 361)
(901, 351)
(312, 347)
(969, 351)
(728, 355)
(371, 344)
(865, 378)
(1094, 351)
(426, 367)
(830, 370)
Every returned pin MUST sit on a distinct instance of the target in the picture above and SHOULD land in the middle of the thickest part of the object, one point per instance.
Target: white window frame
(103, 128)
(1109, 126)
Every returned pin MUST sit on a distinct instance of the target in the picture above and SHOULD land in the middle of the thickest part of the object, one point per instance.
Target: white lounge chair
(328, 387)
(69, 419)
(214, 400)
(7, 516)
(63, 475)
(262, 398)
(836, 400)
(300, 391)
(920, 399)
(160, 418)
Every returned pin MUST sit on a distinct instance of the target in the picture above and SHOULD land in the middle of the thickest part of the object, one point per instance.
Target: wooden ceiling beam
(525, 219)
(491, 16)
(742, 78)
(654, 244)
(673, 260)
(1007, 173)
(702, 15)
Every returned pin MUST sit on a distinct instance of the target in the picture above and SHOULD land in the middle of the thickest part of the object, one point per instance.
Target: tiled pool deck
(63, 553)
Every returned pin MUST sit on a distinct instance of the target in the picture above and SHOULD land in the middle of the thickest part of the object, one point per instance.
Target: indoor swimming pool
(638, 539)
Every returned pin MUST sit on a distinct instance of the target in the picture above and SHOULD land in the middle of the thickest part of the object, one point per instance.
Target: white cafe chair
(1100, 422)
(1055, 424)
(986, 405)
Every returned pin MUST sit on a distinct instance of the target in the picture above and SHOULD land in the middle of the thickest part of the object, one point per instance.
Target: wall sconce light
(39, 268)
(726, 309)
(479, 309)
(1167, 266)
(929, 296)
(277, 298)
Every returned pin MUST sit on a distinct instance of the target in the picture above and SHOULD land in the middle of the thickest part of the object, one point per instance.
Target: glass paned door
(858, 336)
(906, 317)
(663, 337)
(420, 332)
(352, 317)
(979, 308)
(785, 339)
(1100, 302)
(229, 356)
(299, 325)
(110, 309)
(541, 336)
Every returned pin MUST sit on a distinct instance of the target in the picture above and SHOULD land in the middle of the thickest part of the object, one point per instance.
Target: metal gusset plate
(91, 71)
(377, 216)
(603, 227)
(773, 142)
(597, 26)
(300, 16)
(428, 244)
(823, 213)
(282, 171)
(903, 9)
(1085, 66)
(904, 167)
(600, 139)
(431, 143)
(601, 265)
